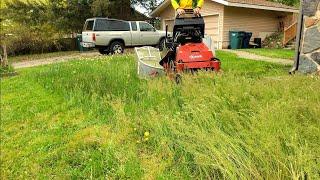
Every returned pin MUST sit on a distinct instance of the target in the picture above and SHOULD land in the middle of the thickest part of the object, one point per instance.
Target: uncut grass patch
(96, 118)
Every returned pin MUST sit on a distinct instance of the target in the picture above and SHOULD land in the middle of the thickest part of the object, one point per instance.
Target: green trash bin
(79, 40)
(236, 39)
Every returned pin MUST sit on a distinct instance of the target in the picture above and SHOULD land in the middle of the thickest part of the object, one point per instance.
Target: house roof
(255, 4)
(262, 3)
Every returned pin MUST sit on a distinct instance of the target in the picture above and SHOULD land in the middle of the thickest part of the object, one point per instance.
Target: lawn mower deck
(195, 56)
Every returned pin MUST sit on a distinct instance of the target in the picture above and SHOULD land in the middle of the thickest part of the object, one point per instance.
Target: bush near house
(275, 40)
(6, 71)
(96, 119)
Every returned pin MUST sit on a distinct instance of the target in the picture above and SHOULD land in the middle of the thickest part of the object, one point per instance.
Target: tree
(121, 9)
(99, 8)
(148, 5)
(69, 15)
(288, 2)
(27, 27)
(3, 32)
(26, 12)
(38, 25)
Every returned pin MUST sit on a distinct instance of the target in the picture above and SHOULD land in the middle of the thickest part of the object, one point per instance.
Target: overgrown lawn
(96, 119)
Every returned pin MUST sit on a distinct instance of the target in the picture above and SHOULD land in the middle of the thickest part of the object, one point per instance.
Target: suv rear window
(89, 25)
(111, 25)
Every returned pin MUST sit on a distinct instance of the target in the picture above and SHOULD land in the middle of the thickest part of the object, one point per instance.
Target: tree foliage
(99, 8)
(37, 25)
(33, 24)
(148, 5)
(288, 2)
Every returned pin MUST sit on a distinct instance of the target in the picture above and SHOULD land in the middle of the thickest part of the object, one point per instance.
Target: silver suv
(112, 35)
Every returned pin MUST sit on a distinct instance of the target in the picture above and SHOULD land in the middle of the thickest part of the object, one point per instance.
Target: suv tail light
(93, 37)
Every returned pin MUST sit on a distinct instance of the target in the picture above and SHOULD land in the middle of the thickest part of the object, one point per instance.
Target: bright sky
(140, 9)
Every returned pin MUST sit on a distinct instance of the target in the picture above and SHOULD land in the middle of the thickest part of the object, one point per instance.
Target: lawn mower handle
(189, 12)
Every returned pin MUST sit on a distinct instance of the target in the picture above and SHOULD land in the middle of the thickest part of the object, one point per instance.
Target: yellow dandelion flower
(146, 134)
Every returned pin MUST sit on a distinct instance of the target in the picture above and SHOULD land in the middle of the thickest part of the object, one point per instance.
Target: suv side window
(89, 25)
(134, 26)
(145, 26)
(101, 25)
(115, 25)
(111, 25)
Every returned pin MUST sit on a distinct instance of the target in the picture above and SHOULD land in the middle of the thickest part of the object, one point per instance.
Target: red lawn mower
(186, 50)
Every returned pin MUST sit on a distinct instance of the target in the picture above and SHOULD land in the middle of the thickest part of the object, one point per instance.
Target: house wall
(211, 11)
(260, 22)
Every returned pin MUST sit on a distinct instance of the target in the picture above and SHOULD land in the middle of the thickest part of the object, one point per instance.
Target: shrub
(273, 41)
(40, 39)
(6, 71)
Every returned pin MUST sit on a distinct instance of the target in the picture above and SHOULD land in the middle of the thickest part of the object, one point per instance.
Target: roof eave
(252, 6)
(159, 8)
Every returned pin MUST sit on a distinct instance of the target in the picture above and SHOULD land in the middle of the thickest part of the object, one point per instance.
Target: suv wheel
(116, 48)
(104, 51)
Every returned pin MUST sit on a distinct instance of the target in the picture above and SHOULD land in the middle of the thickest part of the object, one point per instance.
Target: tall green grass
(96, 119)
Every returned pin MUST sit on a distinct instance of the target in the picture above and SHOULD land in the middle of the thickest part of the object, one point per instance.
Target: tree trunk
(4, 57)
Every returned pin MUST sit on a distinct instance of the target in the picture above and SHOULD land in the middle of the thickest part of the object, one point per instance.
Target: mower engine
(186, 50)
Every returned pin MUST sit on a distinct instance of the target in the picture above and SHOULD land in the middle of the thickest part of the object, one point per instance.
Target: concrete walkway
(251, 56)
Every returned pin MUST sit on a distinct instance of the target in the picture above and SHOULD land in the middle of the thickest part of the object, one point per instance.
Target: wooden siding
(260, 22)
(212, 26)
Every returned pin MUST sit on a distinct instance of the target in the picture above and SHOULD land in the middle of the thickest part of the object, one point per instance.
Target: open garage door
(212, 28)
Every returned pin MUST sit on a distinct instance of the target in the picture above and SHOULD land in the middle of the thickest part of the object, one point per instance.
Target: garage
(212, 26)
(260, 17)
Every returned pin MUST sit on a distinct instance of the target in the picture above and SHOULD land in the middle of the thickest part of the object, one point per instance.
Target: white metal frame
(150, 56)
